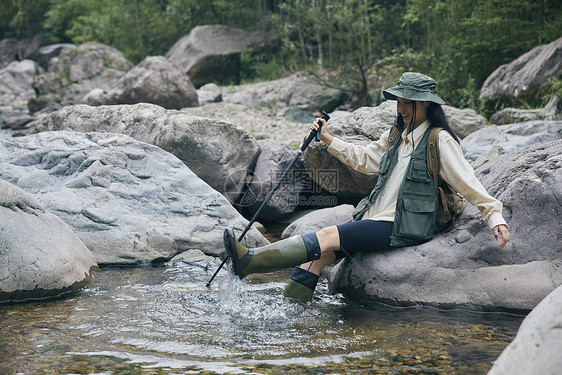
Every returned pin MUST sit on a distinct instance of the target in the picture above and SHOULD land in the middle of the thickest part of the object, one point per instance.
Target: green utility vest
(416, 207)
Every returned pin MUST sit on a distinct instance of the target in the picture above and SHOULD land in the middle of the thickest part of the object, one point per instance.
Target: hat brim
(422, 96)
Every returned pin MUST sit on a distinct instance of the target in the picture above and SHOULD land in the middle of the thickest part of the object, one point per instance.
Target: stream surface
(164, 320)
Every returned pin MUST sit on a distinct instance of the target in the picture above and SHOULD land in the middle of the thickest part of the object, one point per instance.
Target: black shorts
(363, 235)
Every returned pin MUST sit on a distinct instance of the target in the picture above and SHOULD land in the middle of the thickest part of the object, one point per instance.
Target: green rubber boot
(301, 285)
(278, 255)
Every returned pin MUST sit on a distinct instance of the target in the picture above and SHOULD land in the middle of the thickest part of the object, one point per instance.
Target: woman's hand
(324, 136)
(502, 230)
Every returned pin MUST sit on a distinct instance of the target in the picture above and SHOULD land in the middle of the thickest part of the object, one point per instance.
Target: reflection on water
(157, 320)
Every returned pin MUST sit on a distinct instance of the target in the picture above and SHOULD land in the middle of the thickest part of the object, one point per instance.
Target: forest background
(360, 46)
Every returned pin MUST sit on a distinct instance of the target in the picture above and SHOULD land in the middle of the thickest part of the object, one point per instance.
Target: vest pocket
(418, 171)
(417, 218)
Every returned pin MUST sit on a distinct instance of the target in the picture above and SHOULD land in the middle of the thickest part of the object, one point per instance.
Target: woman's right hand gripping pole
(324, 135)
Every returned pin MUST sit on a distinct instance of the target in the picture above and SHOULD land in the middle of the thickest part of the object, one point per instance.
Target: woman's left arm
(456, 171)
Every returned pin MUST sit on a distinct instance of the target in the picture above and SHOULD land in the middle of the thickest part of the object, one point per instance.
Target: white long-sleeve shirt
(454, 169)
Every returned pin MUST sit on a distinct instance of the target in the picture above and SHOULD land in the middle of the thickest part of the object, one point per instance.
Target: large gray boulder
(40, 256)
(155, 80)
(298, 97)
(464, 268)
(524, 75)
(218, 152)
(463, 121)
(75, 72)
(209, 93)
(551, 112)
(211, 53)
(510, 137)
(128, 201)
(16, 89)
(536, 348)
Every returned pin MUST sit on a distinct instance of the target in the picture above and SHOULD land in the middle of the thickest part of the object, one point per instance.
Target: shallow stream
(164, 320)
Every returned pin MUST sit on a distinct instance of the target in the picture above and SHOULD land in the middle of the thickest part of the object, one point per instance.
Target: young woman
(400, 211)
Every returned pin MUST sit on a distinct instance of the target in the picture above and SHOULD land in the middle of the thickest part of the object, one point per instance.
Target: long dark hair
(436, 117)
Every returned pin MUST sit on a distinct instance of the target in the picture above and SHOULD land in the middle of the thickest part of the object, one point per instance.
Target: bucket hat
(414, 86)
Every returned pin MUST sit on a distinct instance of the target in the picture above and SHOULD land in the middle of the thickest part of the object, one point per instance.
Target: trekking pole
(314, 134)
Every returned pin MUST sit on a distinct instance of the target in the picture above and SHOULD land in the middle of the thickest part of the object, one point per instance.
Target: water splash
(256, 303)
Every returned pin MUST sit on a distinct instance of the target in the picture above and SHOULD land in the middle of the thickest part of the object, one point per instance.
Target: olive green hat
(414, 86)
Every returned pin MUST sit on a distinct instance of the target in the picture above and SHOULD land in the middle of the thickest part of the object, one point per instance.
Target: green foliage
(470, 39)
(356, 45)
(22, 18)
(554, 86)
(344, 35)
(260, 66)
(140, 28)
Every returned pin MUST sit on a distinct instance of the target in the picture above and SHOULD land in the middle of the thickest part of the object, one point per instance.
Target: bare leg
(329, 240)
(317, 265)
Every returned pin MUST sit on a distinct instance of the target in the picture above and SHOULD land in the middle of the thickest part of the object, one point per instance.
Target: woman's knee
(328, 238)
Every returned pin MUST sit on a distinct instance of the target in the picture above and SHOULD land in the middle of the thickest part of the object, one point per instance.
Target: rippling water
(159, 320)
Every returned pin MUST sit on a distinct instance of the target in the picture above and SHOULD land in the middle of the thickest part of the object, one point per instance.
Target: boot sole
(230, 247)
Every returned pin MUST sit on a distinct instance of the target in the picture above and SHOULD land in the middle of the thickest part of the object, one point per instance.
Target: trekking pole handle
(314, 134)
(325, 117)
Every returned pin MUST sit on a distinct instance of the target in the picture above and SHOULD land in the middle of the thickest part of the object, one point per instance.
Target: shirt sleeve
(362, 158)
(458, 173)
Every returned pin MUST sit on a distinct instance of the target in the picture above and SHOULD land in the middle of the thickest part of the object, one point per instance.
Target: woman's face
(406, 110)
